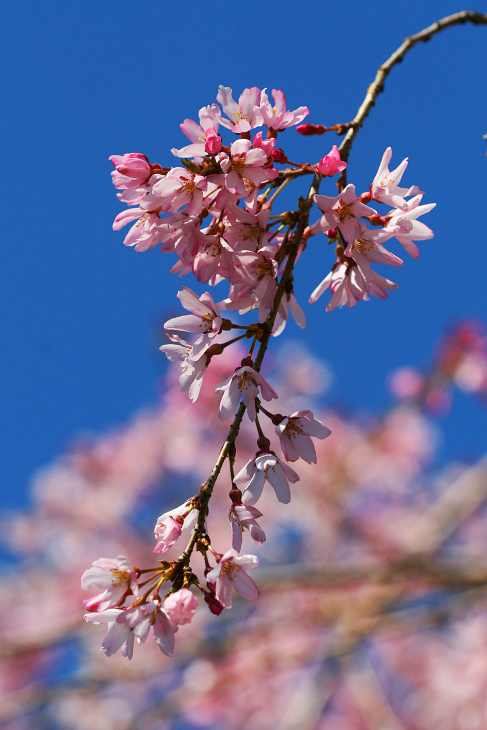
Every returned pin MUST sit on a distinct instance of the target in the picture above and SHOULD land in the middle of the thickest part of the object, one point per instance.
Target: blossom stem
(279, 190)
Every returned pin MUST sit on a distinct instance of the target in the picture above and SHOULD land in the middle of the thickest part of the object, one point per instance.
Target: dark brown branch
(377, 86)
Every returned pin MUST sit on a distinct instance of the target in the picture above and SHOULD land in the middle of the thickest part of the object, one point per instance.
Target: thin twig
(377, 86)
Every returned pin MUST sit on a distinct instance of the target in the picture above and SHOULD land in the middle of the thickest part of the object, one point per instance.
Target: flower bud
(213, 143)
(279, 156)
(309, 129)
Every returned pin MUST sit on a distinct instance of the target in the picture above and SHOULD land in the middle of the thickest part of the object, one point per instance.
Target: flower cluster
(214, 211)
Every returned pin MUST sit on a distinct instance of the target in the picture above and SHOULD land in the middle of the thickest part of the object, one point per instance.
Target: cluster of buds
(215, 213)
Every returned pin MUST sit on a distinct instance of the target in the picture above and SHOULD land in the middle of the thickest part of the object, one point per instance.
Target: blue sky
(82, 314)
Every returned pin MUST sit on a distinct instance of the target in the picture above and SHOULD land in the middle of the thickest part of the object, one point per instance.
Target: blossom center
(344, 211)
(119, 576)
(230, 570)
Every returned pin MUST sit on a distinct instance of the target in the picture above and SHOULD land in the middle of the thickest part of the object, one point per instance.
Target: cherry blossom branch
(204, 496)
(377, 86)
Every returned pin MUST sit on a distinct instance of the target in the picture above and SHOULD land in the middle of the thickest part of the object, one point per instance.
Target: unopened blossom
(342, 211)
(230, 573)
(245, 115)
(277, 117)
(180, 606)
(331, 164)
(167, 533)
(406, 228)
(119, 635)
(115, 575)
(266, 467)
(385, 186)
(184, 512)
(133, 166)
(295, 433)
(205, 318)
(244, 383)
(244, 516)
(141, 618)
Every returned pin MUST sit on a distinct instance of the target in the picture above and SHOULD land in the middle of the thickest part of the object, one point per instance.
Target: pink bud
(331, 164)
(180, 606)
(279, 156)
(213, 143)
(132, 164)
(309, 129)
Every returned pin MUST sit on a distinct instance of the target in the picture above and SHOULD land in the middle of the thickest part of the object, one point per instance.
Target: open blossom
(294, 434)
(244, 383)
(331, 164)
(245, 115)
(115, 575)
(145, 233)
(200, 134)
(244, 164)
(385, 186)
(406, 228)
(348, 284)
(342, 211)
(119, 634)
(367, 247)
(243, 516)
(181, 187)
(141, 618)
(193, 359)
(231, 573)
(205, 318)
(278, 117)
(180, 606)
(266, 467)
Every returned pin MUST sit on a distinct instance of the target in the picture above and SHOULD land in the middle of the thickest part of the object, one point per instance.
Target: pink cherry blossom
(116, 575)
(119, 634)
(133, 166)
(245, 115)
(166, 533)
(406, 228)
(294, 434)
(141, 618)
(341, 212)
(278, 117)
(205, 318)
(243, 517)
(266, 467)
(331, 164)
(385, 187)
(180, 606)
(193, 359)
(245, 164)
(244, 383)
(348, 285)
(181, 187)
(199, 134)
(230, 573)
